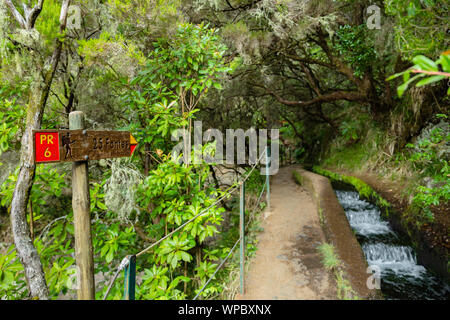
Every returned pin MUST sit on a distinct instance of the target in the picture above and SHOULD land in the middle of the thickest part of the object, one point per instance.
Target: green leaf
(429, 80)
(9, 277)
(402, 88)
(396, 75)
(406, 76)
(174, 262)
(445, 62)
(183, 278)
(101, 206)
(110, 255)
(425, 63)
(185, 256)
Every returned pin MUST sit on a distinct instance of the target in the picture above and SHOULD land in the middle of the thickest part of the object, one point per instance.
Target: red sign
(46, 146)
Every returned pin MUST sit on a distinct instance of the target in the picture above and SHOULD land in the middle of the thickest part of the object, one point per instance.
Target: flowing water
(402, 277)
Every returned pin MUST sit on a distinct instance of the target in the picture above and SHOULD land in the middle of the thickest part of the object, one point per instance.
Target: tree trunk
(26, 251)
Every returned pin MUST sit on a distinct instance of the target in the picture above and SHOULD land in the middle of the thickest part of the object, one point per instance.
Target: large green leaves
(424, 68)
(174, 250)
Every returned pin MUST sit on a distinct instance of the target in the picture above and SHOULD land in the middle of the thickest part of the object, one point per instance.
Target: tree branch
(16, 14)
(334, 96)
(435, 73)
(241, 7)
(31, 15)
(309, 60)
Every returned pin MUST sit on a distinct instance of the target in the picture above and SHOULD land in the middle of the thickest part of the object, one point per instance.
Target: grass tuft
(330, 259)
(332, 263)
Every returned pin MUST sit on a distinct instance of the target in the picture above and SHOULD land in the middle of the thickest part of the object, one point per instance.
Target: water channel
(402, 276)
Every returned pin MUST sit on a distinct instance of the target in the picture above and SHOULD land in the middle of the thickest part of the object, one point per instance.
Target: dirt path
(287, 264)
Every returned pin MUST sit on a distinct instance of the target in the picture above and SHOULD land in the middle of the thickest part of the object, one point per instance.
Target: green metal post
(242, 234)
(268, 177)
(129, 287)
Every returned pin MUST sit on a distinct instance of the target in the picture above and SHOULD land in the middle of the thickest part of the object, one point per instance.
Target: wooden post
(242, 234)
(268, 177)
(82, 219)
(129, 285)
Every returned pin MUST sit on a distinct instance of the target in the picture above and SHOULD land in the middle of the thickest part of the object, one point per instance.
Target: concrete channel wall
(338, 232)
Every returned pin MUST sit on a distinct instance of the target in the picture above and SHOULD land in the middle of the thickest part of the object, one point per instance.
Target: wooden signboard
(78, 146)
(81, 145)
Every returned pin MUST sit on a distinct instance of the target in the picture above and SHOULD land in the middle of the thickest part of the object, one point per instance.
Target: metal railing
(128, 264)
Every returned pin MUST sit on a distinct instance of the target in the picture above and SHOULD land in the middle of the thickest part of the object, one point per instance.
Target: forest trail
(287, 264)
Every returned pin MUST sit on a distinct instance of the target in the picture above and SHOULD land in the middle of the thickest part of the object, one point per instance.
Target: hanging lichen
(120, 188)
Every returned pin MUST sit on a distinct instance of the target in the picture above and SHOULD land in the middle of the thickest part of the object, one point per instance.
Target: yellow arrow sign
(133, 143)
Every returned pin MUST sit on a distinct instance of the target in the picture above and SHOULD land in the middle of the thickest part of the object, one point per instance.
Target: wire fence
(129, 261)
(232, 249)
(218, 268)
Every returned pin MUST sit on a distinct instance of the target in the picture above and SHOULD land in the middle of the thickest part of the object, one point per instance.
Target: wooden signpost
(81, 145)
(78, 145)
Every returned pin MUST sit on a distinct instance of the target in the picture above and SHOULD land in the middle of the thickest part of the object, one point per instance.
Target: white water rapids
(402, 277)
